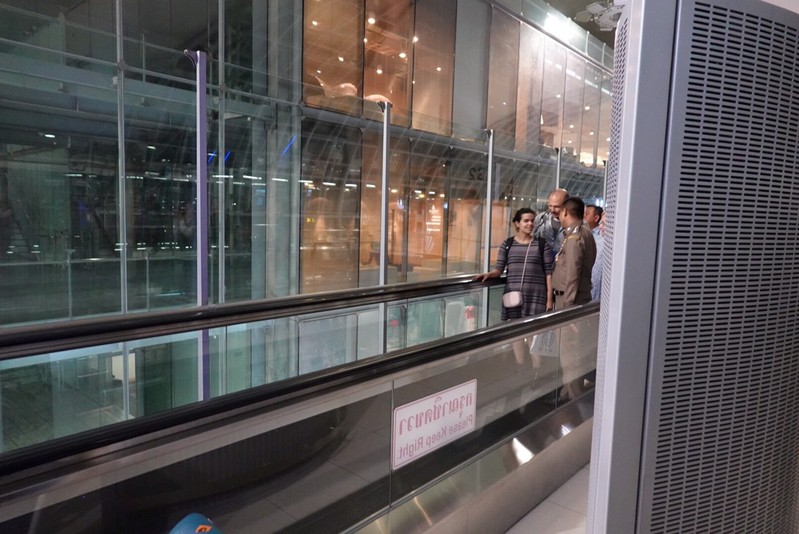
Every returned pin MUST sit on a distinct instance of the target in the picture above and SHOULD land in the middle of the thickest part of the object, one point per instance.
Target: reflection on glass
(334, 340)
(332, 54)
(48, 27)
(465, 205)
(517, 182)
(327, 342)
(150, 36)
(427, 209)
(58, 204)
(576, 349)
(331, 180)
(388, 45)
(434, 65)
(603, 143)
(573, 107)
(591, 100)
(552, 101)
(370, 210)
(160, 189)
(502, 77)
(531, 71)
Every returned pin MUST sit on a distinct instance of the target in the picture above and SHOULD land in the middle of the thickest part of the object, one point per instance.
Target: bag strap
(524, 267)
(541, 244)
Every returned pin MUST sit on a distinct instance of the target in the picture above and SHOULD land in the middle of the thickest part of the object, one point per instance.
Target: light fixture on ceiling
(605, 14)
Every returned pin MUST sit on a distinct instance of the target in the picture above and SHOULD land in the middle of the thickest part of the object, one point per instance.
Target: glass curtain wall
(434, 65)
(503, 78)
(98, 175)
(96, 159)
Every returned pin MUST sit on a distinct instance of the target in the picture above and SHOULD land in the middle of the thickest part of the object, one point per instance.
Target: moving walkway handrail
(16, 342)
(62, 452)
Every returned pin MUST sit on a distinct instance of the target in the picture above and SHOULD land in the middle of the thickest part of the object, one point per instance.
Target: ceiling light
(371, 20)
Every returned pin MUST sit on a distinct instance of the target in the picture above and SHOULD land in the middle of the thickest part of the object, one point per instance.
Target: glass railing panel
(495, 304)
(428, 319)
(332, 340)
(55, 395)
(97, 386)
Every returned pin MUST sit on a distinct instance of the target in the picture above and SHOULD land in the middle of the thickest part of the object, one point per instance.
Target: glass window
(603, 143)
(370, 209)
(333, 54)
(427, 210)
(517, 186)
(502, 78)
(253, 201)
(389, 50)
(160, 191)
(331, 178)
(471, 66)
(573, 106)
(46, 27)
(156, 34)
(531, 69)
(590, 126)
(59, 178)
(465, 204)
(399, 265)
(552, 99)
(434, 65)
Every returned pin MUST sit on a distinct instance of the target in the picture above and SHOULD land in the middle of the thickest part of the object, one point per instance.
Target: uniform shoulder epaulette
(574, 234)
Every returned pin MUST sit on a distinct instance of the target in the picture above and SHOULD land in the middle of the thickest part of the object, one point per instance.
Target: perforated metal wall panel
(697, 420)
(620, 53)
(722, 419)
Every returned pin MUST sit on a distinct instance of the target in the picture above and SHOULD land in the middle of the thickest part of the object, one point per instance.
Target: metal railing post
(200, 60)
(384, 191)
(487, 228)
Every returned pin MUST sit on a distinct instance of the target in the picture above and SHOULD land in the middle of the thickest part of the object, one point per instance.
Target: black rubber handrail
(17, 342)
(61, 452)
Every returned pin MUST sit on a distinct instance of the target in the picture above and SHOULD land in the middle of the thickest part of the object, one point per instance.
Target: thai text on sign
(424, 425)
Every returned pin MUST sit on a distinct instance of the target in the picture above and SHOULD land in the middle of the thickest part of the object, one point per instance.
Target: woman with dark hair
(529, 266)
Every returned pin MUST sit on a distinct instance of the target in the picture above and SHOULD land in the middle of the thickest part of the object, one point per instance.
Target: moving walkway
(455, 432)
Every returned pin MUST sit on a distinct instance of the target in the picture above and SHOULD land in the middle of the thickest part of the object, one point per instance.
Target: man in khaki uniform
(571, 283)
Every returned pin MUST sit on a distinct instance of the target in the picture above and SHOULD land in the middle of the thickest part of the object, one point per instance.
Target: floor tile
(549, 518)
(574, 493)
(563, 512)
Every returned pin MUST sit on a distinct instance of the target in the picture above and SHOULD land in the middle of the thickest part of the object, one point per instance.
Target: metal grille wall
(620, 62)
(723, 418)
